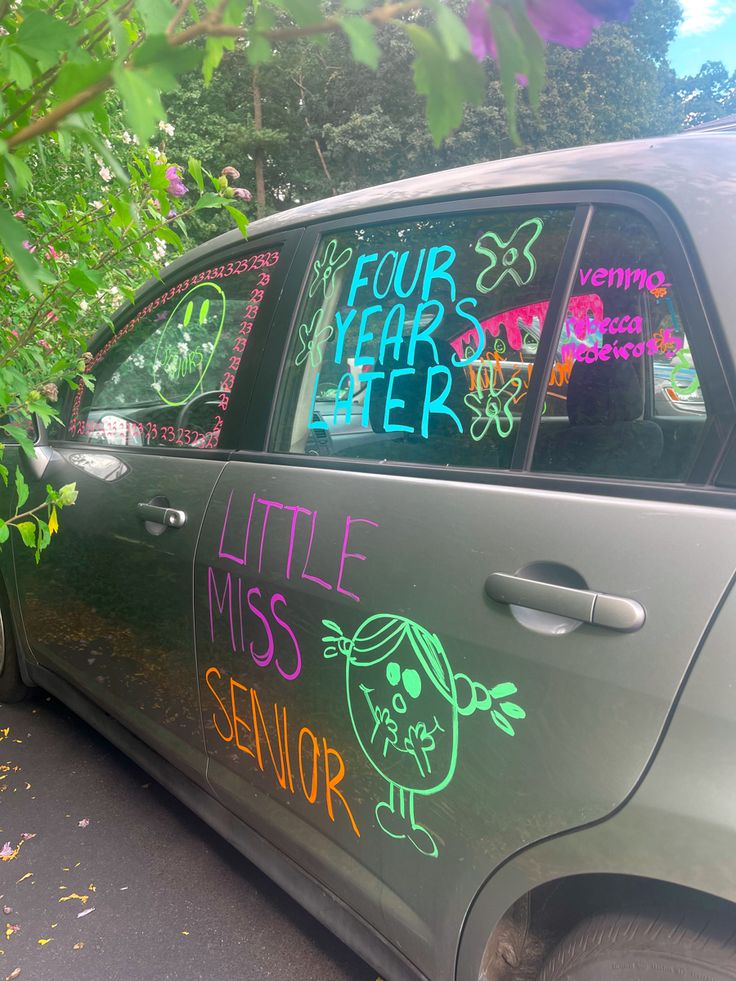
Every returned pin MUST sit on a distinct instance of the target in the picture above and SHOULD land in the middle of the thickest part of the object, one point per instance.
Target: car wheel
(693, 946)
(12, 688)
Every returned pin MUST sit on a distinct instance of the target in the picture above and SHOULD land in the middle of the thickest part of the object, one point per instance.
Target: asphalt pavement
(107, 877)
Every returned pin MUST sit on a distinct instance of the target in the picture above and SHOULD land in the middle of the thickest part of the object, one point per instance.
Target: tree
(708, 95)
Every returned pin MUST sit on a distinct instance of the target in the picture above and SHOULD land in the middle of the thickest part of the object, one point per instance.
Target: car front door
(423, 652)
(109, 607)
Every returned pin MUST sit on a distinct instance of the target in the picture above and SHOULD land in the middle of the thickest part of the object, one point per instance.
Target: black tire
(692, 946)
(12, 688)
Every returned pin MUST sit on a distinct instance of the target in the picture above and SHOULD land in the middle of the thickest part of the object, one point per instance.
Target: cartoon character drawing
(405, 702)
(188, 342)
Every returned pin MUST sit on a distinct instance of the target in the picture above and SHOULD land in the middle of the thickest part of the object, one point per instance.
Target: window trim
(241, 395)
(706, 334)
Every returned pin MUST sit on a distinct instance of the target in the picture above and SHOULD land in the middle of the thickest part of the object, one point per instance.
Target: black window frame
(188, 265)
(705, 335)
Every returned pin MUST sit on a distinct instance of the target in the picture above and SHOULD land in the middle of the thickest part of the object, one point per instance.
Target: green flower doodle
(491, 406)
(513, 254)
(404, 703)
(325, 268)
(313, 338)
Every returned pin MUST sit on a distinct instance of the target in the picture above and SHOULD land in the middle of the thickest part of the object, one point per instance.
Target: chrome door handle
(616, 612)
(169, 517)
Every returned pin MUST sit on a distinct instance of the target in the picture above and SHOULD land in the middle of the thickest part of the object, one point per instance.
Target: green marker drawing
(176, 357)
(404, 703)
(491, 246)
(313, 338)
(325, 268)
(680, 363)
(489, 407)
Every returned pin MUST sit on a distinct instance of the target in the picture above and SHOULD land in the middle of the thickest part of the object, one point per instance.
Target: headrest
(604, 392)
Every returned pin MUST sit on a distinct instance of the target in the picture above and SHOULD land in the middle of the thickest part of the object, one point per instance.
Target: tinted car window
(415, 340)
(165, 377)
(625, 398)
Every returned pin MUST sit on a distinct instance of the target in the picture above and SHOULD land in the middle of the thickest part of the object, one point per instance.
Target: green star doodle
(511, 255)
(313, 338)
(404, 703)
(489, 407)
(325, 268)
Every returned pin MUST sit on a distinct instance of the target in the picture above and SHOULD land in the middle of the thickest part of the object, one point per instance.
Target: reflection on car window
(415, 341)
(630, 402)
(165, 377)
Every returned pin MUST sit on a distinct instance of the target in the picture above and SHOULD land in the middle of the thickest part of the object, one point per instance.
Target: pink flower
(230, 172)
(242, 193)
(51, 253)
(177, 188)
(566, 22)
(27, 245)
(19, 214)
(52, 317)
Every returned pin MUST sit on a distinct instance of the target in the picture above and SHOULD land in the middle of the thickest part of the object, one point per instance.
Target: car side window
(624, 399)
(415, 340)
(164, 378)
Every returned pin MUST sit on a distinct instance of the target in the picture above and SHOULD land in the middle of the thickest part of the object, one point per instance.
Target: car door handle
(169, 517)
(616, 612)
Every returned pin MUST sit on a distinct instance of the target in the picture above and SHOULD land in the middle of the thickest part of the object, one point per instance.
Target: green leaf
(453, 33)
(4, 532)
(67, 495)
(503, 723)
(20, 436)
(4, 474)
(23, 176)
(209, 200)
(142, 102)
(195, 169)
(12, 235)
(156, 51)
(19, 69)
(513, 710)
(362, 37)
(503, 690)
(157, 14)
(27, 531)
(512, 61)
(86, 279)
(241, 220)
(214, 49)
(535, 57)
(44, 38)
(447, 84)
(304, 12)
(21, 489)
(76, 76)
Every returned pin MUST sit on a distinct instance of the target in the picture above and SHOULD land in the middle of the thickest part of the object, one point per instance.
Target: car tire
(692, 946)
(12, 688)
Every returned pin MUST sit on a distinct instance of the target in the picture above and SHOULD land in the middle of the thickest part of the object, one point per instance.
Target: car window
(624, 398)
(165, 377)
(415, 340)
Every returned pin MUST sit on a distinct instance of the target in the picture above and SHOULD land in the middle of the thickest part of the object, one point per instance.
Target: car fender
(679, 824)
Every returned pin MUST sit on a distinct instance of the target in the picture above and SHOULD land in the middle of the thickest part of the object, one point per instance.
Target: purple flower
(177, 188)
(242, 193)
(230, 172)
(566, 22)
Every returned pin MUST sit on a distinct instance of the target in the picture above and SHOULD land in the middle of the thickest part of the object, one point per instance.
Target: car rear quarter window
(415, 340)
(165, 377)
(625, 399)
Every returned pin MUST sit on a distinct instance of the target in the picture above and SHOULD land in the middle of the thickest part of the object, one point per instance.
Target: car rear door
(420, 654)
(109, 608)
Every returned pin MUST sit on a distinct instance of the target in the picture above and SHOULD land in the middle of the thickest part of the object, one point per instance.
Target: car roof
(694, 173)
(667, 164)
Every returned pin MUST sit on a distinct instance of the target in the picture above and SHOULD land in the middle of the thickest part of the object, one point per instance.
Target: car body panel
(679, 826)
(595, 699)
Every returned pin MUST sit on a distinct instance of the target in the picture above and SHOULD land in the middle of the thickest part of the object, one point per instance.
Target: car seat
(606, 436)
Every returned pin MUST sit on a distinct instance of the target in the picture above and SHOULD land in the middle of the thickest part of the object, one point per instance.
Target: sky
(707, 33)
